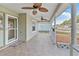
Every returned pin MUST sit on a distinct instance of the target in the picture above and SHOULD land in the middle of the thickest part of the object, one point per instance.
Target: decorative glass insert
(12, 28)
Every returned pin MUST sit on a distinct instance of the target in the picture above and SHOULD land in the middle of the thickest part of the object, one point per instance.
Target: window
(12, 28)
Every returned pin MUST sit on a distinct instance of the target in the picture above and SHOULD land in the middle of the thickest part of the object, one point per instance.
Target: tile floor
(40, 45)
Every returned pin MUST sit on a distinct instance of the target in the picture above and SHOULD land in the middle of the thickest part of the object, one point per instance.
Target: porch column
(52, 31)
(55, 30)
(73, 27)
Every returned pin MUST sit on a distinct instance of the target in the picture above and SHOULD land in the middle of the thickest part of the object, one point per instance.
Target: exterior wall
(25, 24)
(22, 27)
(43, 26)
(30, 33)
(5, 11)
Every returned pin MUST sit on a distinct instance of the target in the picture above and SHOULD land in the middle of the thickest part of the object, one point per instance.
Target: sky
(66, 15)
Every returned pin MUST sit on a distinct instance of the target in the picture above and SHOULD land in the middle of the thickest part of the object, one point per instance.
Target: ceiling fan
(43, 19)
(37, 6)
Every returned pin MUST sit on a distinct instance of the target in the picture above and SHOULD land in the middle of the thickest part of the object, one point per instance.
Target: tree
(68, 22)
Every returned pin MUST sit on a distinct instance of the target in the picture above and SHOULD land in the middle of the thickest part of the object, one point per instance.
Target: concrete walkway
(40, 45)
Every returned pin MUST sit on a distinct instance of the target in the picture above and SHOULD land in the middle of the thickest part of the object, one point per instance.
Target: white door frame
(6, 29)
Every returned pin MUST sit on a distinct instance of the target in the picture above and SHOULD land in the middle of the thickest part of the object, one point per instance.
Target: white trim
(6, 46)
(6, 29)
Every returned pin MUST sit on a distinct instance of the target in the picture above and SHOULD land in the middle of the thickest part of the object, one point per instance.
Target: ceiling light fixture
(34, 12)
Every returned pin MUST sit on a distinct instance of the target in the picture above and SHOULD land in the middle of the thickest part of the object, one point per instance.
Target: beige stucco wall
(30, 33)
(25, 23)
(22, 26)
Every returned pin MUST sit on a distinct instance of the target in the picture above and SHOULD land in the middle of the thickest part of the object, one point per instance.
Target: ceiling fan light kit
(37, 5)
(43, 19)
(34, 12)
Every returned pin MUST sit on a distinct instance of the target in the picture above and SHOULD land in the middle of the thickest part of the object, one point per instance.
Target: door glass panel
(12, 28)
(1, 30)
(11, 34)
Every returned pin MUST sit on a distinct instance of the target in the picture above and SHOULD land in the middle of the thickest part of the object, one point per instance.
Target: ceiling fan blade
(45, 19)
(28, 8)
(42, 9)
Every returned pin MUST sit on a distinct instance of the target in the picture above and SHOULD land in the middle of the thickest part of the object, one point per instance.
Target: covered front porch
(31, 32)
(40, 45)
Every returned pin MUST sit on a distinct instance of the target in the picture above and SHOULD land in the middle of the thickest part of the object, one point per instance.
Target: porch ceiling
(17, 7)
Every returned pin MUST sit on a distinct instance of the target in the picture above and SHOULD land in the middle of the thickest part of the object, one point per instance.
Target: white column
(73, 27)
(55, 30)
(53, 33)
